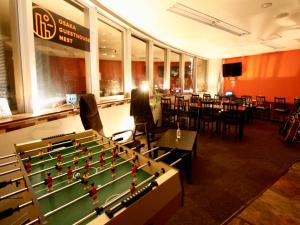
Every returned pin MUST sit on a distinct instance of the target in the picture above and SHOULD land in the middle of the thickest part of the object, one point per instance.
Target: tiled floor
(280, 204)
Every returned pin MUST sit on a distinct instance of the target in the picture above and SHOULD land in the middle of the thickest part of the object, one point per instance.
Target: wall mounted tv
(232, 69)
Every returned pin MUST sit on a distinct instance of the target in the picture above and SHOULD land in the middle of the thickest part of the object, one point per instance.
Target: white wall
(214, 76)
(114, 119)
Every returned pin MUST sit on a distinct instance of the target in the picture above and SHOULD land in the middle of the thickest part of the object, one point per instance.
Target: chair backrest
(177, 99)
(206, 97)
(279, 103)
(89, 113)
(247, 99)
(165, 103)
(230, 110)
(140, 108)
(260, 100)
(195, 98)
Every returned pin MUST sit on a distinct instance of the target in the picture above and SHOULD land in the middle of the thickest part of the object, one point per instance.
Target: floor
(280, 204)
(228, 174)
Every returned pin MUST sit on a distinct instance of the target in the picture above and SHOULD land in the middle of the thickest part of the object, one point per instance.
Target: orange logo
(43, 23)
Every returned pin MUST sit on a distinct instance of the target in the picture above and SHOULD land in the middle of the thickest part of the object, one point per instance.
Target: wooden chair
(262, 111)
(167, 113)
(194, 109)
(206, 97)
(279, 110)
(231, 118)
(207, 116)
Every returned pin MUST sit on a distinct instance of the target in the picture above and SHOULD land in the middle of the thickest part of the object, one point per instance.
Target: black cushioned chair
(141, 111)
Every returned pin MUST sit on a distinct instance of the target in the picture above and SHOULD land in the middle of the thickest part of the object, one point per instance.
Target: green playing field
(84, 206)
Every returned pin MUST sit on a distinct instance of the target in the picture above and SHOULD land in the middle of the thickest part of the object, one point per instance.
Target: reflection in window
(110, 60)
(188, 73)
(174, 73)
(158, 68)
(201, 75)
(7, 77)
(138, 63)
(60, 68)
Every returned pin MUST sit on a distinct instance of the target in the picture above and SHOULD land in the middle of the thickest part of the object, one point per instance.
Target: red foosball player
(86, 166)
(132, 188)
(49, 181)
(134, 172)
(49, 147)
(59, 156)
(93, 193)
(83, 150)
(113, 168)
(59, 167)
(85, 180)
(69, 174)
(114, 154)
(101, 160)
(90, 156)
(28, 166)
(41, 154)
(75, 160)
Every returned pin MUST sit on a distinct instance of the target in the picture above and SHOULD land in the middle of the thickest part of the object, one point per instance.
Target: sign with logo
(50, 26)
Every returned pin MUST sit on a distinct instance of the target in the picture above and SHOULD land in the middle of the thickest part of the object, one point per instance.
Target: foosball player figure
(83, 150)
(134, 172)
(41, 154)
(75, 160)
(90, 156)
(101, 160)
(49, 147)
(113, 168)
(59, 167)
(93, 194)
(86, 166)
(49, 181)
(76, 144)
(69, 174)
(85, 180)
(132, 188)
(134, 158)
(28, 166)
(59, 156)
(114, 154)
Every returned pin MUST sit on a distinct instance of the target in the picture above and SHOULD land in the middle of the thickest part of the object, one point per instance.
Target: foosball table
(85, 178)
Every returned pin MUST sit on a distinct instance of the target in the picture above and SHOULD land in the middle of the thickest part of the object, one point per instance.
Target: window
(158, 68)
(60, 65)
(7, 73)
(138, 63)
(110, 59)
(174, 73)
(201, 75)
(188, 73)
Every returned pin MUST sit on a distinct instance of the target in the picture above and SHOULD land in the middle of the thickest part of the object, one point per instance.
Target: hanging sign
(50, 26)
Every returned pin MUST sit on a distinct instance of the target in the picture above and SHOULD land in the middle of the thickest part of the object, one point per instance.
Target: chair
(141, 111)
(167, 113)
(279, 110)
(90, 118)
(183, 114)
(177, 105)
(194, 109)
(206, 97)
(262, 111)
(247, 100)
(231, 118)
(207, 116)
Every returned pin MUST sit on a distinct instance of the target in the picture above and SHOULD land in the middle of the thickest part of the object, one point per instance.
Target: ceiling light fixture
(266, 5)
(193, 14)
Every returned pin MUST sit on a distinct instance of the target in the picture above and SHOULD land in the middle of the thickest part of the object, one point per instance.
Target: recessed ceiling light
(266, 5)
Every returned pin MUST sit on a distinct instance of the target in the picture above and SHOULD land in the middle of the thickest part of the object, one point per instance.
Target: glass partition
(7, 73)
(188, 73)
(138, 62)
(158, 68)
(110, 60)
(201, 75)
(174, 73)
(60, 64)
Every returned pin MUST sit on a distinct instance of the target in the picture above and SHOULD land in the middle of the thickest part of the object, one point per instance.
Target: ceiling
(276, 28)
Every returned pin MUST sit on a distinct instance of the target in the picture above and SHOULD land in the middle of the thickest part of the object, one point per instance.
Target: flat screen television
(232, 69)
